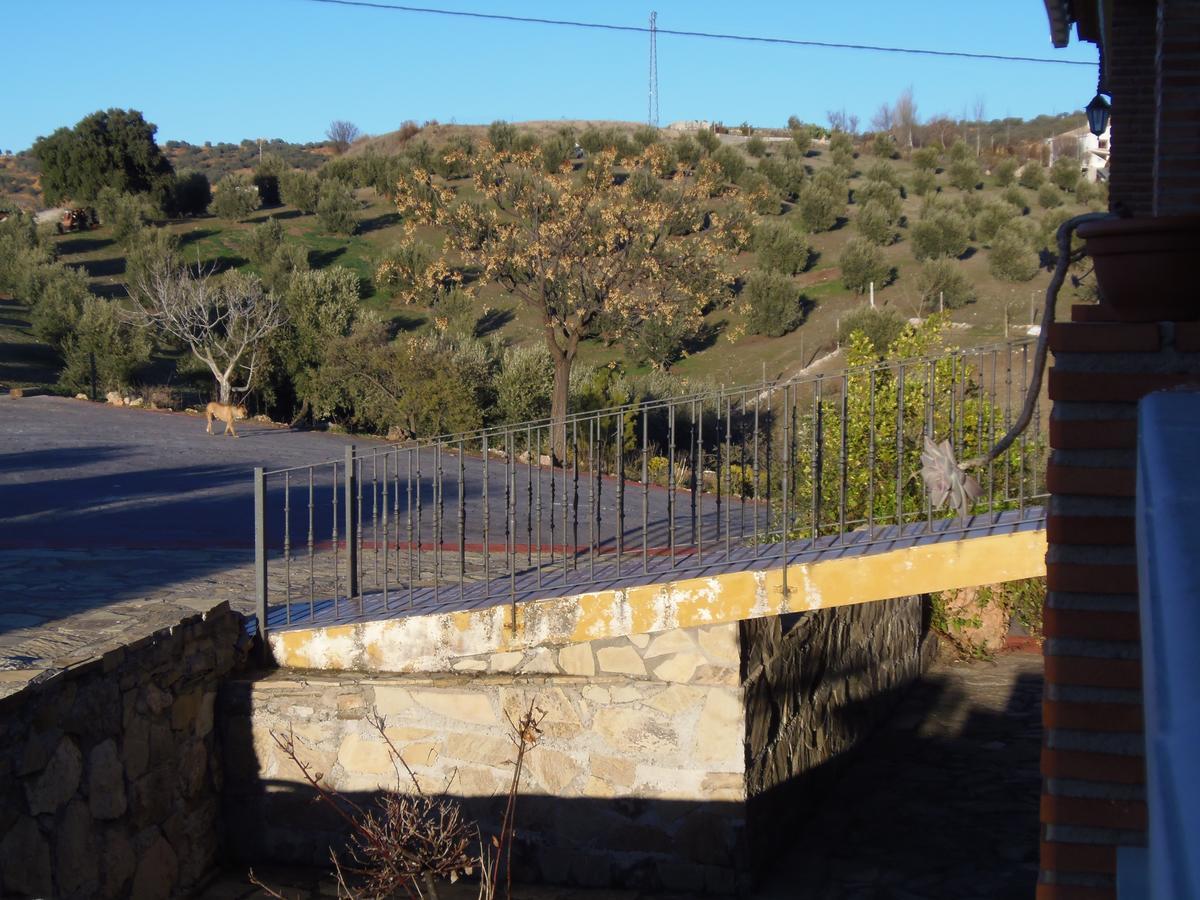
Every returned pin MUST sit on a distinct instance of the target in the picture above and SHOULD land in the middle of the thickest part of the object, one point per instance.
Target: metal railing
(643, 492)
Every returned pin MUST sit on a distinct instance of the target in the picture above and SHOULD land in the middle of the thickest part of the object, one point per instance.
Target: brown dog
(226, 412)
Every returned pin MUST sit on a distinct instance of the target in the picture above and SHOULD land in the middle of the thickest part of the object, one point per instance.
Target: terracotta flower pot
(1146, 267)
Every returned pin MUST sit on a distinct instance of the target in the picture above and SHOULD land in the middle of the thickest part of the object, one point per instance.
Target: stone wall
(816, 684)
(638, 779)
(109, 784)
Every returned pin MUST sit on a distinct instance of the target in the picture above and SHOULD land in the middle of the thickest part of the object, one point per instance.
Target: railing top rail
(754, 390)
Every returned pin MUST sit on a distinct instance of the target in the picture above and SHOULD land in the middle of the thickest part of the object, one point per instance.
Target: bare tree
(883, 120)
(223, 321)
(852, 124)
(905, 112)
(980, 109)
(342, 134)
(837, 119)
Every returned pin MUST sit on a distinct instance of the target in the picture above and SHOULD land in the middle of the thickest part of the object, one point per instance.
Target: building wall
(1131, 80)
(109, 779)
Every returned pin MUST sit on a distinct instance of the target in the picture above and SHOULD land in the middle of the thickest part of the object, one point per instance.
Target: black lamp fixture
(1098, 112)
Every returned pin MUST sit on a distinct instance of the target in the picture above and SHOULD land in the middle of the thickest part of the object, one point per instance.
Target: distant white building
(1091, 150)
(690, 125)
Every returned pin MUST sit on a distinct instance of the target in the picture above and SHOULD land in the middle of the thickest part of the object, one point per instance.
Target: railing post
(260, 556)
(351, 523)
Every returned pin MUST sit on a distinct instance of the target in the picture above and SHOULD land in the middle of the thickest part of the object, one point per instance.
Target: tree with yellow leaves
(577, 245)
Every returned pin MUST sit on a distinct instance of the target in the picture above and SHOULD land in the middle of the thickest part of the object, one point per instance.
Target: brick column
(1177, 105)
(1131, 78)
(1093, 794)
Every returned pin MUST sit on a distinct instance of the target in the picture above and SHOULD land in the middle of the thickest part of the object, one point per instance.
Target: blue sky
(223, 70)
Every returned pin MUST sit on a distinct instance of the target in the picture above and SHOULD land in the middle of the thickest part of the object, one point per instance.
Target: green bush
(524, 384)
(760, 193)
(556, 150)
(708, 140)
(991, 219)
(941, 282)
(101, 335)
(732, 163)
(1049, 196)
(802, 140)
(1065, 173)
(148, 251)
(880, 326)
(1084, 190)
(885, 173)
(1046, 237)
(1005, 172)
(301, 190)
(63, 290)
(756, 147)
(787, 175)
(924, 182)
(780, 248)
(818, 207)
(262, 241)
(875, 223)
(774, 304)
(862, 263)
(687, 151)
(1012, 257)
(336, 208)
(502, 135)
(1016, 198)
(266, 179)
(884, 146)
(190, 194)
(645, 135)
(942, 233)
(236, 197)
(659, 342)
(965, 174)
(959, 151)
(925, 159)
(1033, 176)
(882, 194)
(125, 214)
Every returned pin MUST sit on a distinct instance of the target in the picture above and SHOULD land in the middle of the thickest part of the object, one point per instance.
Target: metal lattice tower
(652, 105)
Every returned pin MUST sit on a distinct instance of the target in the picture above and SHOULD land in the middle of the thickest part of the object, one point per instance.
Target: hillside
(722, 351)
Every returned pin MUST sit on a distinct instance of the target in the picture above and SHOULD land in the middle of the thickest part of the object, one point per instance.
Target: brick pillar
(1093, 794)
(1177, 101)
(1130, 61)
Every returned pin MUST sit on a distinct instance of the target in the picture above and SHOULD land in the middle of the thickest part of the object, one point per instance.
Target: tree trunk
(224, 392)
(558, 403)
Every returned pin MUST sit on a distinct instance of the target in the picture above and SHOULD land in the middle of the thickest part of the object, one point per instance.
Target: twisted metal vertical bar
(287, 546)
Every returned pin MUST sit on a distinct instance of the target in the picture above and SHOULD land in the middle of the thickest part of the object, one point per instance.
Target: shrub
(862, 263)
(1085, 191)
(1012, 258)
(965, 174)
(191, 194)
(880, 326)
(786, 175)
(1016, 198)
(842, 159)
(524, 384)
(759, 193)
(1065, 173)
(149, 250)
(1049, 196)
(1005, 172)
(875, 223)
(924, 182)
(262, 241)
(407, 267)
(882, 194)
(732, 163)
(61, 295)
(884, 146)
(991, 219)
(266, 179)
(780, 247)
(756, 147)
(1032, 175)
(658, 342)
(942, 282)
(774, 304)
(942, 233)
(1046, 237)
(502, 135)
(645, 135)
(102, 335)
(336, 208)
(802, 140)
(556, 150)
(708, 140)
(687, 150)
(819, 206)
(959, 151)
(236, 197)
(454, 160)
(925, 159)
(301, 190)
(125, 214)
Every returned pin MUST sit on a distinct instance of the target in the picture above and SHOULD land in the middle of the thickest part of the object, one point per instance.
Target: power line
(642, 29)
